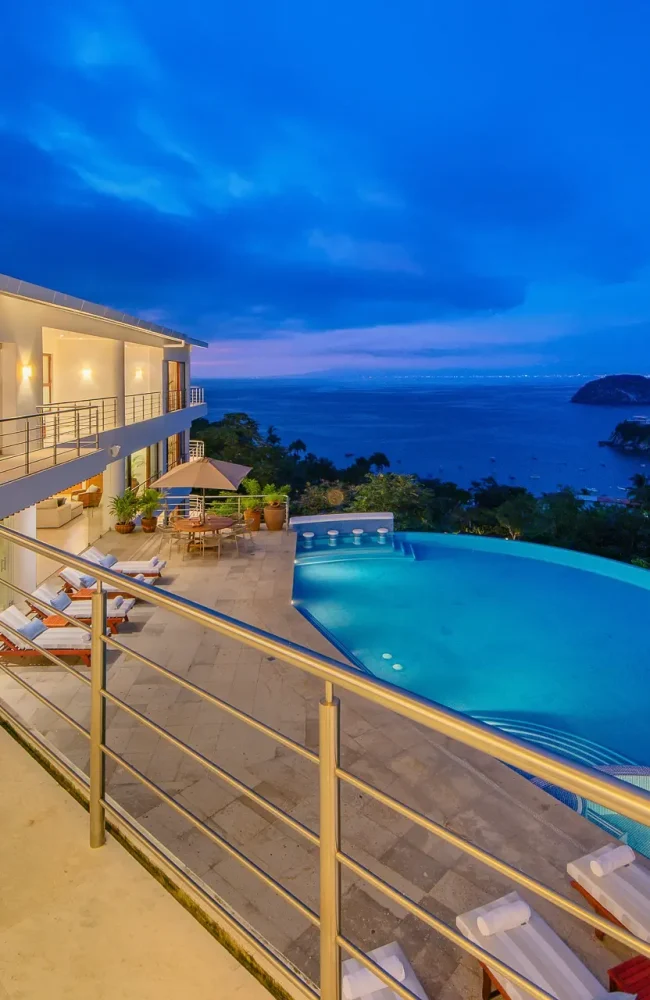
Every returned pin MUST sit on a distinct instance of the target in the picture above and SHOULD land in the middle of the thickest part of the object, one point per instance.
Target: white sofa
(57, 511)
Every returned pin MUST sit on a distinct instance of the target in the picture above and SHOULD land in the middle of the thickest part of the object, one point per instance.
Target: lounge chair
(617, 886)
(80, 586)
(134, 567)
(117, 608)
(519, 938)
(61, 641)
(359, 982)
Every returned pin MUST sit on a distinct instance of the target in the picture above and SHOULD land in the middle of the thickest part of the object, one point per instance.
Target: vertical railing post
(56, 435)
(97, 717)
(76, 430)
(330, 842)
(26, 447)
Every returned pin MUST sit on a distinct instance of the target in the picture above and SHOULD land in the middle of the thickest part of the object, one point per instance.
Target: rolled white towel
(118, 601)
(610, 861)
(504, 918)
(363, 982)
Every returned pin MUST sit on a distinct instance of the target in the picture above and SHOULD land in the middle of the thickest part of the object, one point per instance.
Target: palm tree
(297, 446)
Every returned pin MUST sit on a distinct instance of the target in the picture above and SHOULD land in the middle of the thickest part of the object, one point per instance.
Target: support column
(114, 483)
(118, 381)
(24, 562)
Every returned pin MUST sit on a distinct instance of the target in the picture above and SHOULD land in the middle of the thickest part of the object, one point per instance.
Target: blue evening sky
(339, 185)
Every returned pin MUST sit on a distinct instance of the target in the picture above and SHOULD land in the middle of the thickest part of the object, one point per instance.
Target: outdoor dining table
(194, 526)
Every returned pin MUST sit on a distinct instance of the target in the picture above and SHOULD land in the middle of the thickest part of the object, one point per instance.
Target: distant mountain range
(615, 390)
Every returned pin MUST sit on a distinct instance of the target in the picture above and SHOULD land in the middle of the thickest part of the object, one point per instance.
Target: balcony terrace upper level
(81, 383)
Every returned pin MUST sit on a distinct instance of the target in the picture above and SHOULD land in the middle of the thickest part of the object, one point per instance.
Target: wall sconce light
(138, 374)
(27, 371)
(86, 374)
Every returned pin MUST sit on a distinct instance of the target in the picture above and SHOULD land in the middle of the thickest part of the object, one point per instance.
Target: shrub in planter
(275, 506)
(149, 503)
(124, 508)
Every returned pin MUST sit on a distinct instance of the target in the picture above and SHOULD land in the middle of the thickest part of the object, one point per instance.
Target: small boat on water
(535, 477)
(492, 458)
(623, 489)
(590, 489)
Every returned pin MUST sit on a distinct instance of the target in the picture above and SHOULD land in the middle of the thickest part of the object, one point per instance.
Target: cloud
(294, 178)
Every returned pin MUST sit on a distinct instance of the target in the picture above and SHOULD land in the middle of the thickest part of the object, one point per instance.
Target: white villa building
(91, 400)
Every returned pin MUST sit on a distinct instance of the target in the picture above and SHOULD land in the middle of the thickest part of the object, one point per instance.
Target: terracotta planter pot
(253, 518)
(125, 529)
(149, 524)
(274, 517)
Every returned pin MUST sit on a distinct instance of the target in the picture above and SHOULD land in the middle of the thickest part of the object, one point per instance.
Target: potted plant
(275, 506)
(124, 507)
(149, 502)
(252, 504)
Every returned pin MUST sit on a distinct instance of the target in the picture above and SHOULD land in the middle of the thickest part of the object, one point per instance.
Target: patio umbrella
(204, 474)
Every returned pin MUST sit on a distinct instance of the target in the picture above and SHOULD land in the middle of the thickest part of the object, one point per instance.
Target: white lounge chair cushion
(535, 951)
(109, 561)
(611, 860)
(83, 609)
(391, 958)
(80, 581)
(64, 638)
(504, 918)
(624, 892)
(76, 580)
(19, 622)
(139, 566)
(57, 600)
(48, 638)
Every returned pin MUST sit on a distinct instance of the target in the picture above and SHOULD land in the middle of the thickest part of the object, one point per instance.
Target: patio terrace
(465, 791)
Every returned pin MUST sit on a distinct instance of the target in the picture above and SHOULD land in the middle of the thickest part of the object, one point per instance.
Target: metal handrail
(610, 792)
(197, 395)
(142, 406)
(36, 441)
(107, 416)
(194, 503)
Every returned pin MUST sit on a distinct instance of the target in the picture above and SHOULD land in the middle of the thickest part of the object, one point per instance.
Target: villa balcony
(309, 828)
(197, 449)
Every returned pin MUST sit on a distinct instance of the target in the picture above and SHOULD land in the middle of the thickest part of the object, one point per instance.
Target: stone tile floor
(468, 792)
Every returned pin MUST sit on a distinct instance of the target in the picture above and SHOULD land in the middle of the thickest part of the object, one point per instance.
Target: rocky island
(615, 390)
(632, 436)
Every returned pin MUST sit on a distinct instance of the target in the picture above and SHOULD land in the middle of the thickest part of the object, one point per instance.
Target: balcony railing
(142, 406)
(177, 399)
(227, 504)
(328, 771)
(106, 407)
(197, 449)
(39, 441)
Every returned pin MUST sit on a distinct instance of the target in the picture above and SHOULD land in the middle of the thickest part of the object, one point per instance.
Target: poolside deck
(462, 789)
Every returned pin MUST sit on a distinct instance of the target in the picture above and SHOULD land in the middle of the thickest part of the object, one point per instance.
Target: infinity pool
(549, 644)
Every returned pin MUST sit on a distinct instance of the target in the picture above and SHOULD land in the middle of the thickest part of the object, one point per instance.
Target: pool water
(549, 644)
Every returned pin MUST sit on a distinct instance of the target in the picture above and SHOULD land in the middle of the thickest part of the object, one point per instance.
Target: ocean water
(521, 430)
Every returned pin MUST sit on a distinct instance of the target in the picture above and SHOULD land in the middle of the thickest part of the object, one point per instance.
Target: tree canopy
(564, 518)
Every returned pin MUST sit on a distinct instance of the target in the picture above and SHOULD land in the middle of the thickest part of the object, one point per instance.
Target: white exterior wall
(143, 368)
